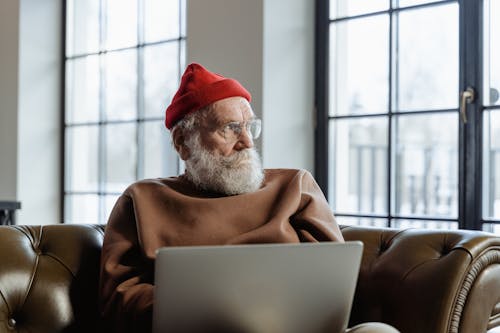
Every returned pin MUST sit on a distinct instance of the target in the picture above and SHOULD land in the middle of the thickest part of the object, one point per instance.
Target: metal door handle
(466, 97)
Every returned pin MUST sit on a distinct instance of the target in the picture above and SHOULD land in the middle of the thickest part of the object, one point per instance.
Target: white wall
(9, 64)
(288, 84)
(268, 46)
(226, 37)
(30, 35)
(38, 178)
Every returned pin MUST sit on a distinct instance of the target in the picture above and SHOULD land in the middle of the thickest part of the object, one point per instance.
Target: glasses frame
(233, 130)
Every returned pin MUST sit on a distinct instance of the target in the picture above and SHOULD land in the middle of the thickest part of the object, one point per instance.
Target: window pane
(121, 85)
(82, 26)
(160, 157)
(491, 62)
(82, 158)
(161, 77)
(362, 221)
(426, 58)
(359, 60)
(491, 165)
(121, 17)
(82, 90)
(161, 20)
(182, 55)
(82, 208)
(358, 165)
(342, 8)
(426, 165)
(424, 224)
(406, 3)
(121, 156)
(183, 18)
(493, 228)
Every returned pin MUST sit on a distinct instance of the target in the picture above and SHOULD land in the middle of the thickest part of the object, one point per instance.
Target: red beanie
(199, 88)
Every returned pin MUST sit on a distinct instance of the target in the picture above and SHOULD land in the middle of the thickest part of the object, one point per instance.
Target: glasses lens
(254, 128)
(233, 131)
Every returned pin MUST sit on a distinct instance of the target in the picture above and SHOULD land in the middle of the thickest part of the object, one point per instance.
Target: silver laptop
(275, 288)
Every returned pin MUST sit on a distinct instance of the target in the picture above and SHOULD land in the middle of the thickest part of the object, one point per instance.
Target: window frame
(138, 121)
(470, 180)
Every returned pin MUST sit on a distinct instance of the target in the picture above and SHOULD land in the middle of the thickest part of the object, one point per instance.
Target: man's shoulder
(151, 183)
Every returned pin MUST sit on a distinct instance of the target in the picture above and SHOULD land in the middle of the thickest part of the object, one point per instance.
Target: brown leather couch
(419, 281)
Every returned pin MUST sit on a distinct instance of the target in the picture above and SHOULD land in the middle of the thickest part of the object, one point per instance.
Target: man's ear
(179, 143)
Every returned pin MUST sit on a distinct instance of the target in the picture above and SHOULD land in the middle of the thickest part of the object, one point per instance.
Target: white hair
(190, 121)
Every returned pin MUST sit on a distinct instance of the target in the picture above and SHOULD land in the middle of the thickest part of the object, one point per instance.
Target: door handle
(466, 97)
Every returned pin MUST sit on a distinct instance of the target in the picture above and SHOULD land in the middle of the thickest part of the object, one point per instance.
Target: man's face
(224, 112)
(222, 159)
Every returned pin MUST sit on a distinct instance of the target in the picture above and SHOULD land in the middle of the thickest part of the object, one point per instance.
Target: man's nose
(244, 140)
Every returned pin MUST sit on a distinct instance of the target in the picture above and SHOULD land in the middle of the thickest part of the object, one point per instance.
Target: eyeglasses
(232, 131)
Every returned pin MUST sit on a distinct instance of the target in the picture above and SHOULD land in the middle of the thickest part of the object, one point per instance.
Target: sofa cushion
(48, 278)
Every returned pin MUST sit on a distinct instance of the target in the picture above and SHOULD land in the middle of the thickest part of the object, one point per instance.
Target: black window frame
(470, 134)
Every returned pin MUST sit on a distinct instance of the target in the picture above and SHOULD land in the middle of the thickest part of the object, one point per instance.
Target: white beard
(238, 173)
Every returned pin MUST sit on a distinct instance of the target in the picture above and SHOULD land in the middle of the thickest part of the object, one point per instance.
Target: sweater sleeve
(314, 220)
(126, 276)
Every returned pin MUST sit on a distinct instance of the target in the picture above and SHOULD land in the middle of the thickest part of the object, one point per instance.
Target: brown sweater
(288, 208)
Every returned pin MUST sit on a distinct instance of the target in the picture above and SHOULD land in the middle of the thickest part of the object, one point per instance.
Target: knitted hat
(199, 88)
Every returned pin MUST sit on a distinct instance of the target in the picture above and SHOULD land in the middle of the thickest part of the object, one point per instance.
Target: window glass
(493, 228)
(121, 85)
(121, 27)
(406, 3)
(121, 156)
(182, 10)
(82, 26)
(82, 90)
(425, 69)
(82, 159)
(160, 89)
(82, 208)
(426, 165)
(424, 224)
(491, 165)
(359, 66)
(160, 157)
(161, 20)
(491, 52)
(343, 8)
(358, 162)
(361, 221)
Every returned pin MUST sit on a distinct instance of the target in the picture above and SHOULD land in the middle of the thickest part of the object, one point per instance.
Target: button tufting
(383, 247)
(11, 323)
(445, 251)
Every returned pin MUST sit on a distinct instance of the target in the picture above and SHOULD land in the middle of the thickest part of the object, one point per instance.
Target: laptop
(265, 288)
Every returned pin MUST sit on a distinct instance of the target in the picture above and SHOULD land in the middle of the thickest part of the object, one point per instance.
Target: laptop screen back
(269, 288)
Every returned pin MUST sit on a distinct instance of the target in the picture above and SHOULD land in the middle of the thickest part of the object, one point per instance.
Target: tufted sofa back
(419, 281)
(428, 281)
(49, 278)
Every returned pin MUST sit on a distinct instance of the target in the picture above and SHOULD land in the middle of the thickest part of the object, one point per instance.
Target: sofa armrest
(427, 280)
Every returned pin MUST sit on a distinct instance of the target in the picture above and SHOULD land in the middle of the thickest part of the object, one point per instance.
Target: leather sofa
(419, 281)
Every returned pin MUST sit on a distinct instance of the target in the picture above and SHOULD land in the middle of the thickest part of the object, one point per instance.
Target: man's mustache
(237, 158)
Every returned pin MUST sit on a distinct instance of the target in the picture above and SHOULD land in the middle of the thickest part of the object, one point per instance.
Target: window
(399, 141)
(123, 64)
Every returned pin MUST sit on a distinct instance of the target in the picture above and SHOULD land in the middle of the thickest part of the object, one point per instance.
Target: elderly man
(224, 197)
